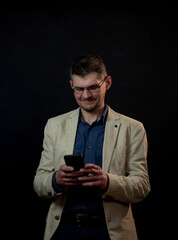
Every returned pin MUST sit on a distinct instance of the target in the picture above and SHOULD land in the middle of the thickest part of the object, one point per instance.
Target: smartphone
(75, 161)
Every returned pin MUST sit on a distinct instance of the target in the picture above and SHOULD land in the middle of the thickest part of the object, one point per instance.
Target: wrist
(106, 186)
(57, 188)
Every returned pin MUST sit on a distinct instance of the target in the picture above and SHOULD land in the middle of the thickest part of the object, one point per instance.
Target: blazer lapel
(71, 128)
(110, 137)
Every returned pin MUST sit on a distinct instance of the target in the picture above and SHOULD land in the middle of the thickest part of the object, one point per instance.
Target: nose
(86, 93)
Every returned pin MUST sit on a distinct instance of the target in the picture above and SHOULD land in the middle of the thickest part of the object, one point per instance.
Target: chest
(89, 142)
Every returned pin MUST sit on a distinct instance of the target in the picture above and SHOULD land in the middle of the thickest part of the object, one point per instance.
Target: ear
(108, 82)
(71, 84)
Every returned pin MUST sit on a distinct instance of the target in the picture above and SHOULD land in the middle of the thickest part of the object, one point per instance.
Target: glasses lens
(78, 90)
(91, 89)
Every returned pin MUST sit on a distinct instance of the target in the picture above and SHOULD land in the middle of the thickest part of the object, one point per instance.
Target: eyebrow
(87, 87)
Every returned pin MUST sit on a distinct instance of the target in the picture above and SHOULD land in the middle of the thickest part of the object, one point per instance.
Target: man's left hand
(94, 177)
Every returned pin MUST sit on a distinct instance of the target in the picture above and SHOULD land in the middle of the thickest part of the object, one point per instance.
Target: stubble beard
(89, 108)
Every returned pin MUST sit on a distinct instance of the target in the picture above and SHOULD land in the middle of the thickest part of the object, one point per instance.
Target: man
(94, 202)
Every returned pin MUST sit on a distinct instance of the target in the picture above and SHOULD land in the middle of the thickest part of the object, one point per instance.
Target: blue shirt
(89, 139)
(89, 143)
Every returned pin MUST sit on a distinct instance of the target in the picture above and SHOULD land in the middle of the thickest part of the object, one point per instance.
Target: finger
(92, 184)
(66, 168)
(90, 178)
(91, 165)
(91, 171)
(70, 180)
(73, 174)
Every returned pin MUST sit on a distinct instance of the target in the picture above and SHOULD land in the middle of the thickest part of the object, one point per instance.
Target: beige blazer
(124, 159)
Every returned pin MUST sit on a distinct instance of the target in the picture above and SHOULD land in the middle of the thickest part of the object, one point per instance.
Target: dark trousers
(97, 230)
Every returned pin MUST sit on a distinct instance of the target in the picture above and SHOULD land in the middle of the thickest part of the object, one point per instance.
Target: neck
(90, 117)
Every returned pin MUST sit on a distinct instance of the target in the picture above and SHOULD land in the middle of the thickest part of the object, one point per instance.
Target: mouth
(87, 101)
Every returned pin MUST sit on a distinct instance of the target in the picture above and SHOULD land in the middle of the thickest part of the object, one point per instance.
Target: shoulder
(124, 120)
(57, 125)
(121, 117)
(59, 122)
(64, 116)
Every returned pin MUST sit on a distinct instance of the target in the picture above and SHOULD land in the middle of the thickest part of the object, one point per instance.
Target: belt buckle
(81, 219)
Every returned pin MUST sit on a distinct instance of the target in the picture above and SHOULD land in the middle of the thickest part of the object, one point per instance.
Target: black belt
(83, 219)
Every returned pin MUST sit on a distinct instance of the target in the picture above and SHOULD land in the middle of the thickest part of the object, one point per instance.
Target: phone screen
(76, 161)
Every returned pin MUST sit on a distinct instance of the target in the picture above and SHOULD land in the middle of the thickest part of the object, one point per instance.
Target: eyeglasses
(92, 89)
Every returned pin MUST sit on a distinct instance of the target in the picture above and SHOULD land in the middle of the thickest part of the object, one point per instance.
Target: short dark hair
(86, 64)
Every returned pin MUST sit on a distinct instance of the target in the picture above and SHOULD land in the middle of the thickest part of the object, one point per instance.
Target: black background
(38, 42)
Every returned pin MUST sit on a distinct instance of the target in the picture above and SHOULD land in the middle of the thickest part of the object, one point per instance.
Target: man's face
(89, 100)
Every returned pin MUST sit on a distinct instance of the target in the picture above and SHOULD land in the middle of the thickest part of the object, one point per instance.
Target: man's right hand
(66, 176)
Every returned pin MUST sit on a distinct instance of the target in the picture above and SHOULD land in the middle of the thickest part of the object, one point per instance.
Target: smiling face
(90, 101)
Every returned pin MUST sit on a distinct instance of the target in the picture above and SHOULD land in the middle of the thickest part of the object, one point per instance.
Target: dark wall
(38, 44)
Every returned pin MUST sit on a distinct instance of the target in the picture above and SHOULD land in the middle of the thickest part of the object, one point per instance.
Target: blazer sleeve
(43, 178)
(133, 186)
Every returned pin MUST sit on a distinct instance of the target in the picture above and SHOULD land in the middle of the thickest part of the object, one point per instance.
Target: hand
(93, 176)
(66, 176)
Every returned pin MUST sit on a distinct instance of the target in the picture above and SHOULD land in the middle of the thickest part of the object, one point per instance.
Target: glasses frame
(80, 90)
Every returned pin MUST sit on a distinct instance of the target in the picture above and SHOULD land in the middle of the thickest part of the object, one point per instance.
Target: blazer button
(57, 217)
(50, 194)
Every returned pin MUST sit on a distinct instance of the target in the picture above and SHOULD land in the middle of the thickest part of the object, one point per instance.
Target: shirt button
(89, 147)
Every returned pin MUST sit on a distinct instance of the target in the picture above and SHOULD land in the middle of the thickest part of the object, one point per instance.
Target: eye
(93, 87)
(78, 89)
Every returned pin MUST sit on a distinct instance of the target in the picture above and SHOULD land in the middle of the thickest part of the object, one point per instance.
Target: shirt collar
(101, 118)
